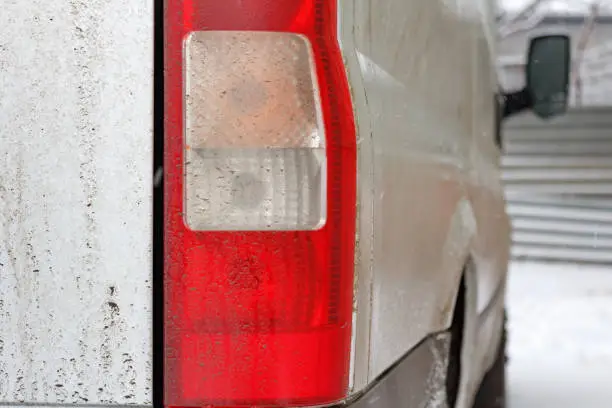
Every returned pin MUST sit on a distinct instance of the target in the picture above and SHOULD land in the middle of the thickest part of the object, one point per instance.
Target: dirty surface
(423, 150)
(407, 386)
(75, 198)
(560, 336)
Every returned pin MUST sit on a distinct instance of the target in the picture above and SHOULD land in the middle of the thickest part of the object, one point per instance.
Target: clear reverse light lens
(254, 141)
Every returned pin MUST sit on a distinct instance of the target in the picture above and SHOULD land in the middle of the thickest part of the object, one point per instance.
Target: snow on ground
(570, 6)
(560, 328)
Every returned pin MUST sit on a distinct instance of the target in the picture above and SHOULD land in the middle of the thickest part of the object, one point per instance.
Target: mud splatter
(127, 377)
(19, 394)
(61, 394)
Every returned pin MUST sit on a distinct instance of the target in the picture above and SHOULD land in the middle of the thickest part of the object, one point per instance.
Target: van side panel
(76, 97)
(410, 67)
(492, 241)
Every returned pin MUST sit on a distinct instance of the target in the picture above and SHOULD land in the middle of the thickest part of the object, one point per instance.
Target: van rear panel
(75, 202)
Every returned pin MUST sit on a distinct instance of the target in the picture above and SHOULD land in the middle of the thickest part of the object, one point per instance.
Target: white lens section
(256, 189)
(254, 140)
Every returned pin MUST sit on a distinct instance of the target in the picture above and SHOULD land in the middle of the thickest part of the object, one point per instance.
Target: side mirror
(547, 72)
(547, 75)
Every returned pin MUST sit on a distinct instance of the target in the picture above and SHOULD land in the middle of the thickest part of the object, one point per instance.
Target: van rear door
(76, 152)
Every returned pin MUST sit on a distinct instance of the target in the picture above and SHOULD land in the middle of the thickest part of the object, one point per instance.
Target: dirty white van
(255, 203)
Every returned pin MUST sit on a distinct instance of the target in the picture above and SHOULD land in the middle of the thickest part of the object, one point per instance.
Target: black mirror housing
(547, 74)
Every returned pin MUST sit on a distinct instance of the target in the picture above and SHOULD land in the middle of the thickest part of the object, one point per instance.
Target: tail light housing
(260, 175)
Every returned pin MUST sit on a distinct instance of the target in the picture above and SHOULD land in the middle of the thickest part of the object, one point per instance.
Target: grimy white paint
(430, 196)
(76, 105)
(76, 118)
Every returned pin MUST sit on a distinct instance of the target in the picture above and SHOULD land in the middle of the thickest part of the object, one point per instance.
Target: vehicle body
(103, 277)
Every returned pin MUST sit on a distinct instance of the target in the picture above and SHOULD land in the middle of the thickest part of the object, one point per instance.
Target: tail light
(260, 174)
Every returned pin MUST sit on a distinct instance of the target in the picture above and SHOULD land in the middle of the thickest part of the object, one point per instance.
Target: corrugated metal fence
(558, 177)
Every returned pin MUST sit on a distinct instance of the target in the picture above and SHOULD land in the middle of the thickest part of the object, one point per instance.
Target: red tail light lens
(259, 238)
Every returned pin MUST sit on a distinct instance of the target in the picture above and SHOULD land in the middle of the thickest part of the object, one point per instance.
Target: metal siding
(75, 201)
(558, 177)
